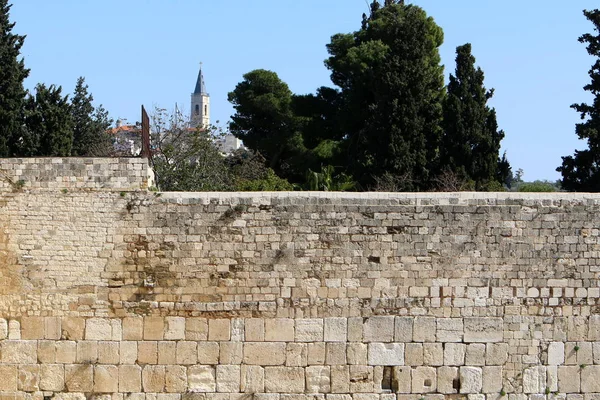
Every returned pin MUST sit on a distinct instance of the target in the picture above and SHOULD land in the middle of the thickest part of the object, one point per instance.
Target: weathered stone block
(28, 379)
(496, 353)
(590, 379)
(208, 353)
(309, 330)
(335, 329)
(79, 378)
(361, 379)
(413, 354)
(153, 378)
(379, 329)
(175, 379)
(357, 353)
(424, 380)
(52, 377)
(73, 328)
(335, 353)
(106, 379)
(454, 353)
(340, 378)
(264, 353)
(128, 352)
(32, 328)
(316, 353)
(492, 380)
(196, 329)
(174, 328)
(471, 379)
(475, 355)
(424, 329)
(534, 379)
(386, 354)
(231, 353)
(187, 353)
(446, 379)
(228, 378)
(318, 379)
(219, 329)
(108, 352)
(130, 378)
(483, 329)
(255, 330)
(252, 379)
(450, 329)
(201, 378)
(98, 329)
(556, 353)
(403, 330)
(133, 328)
(284, 379)
(569, 379)
(8, 380)
(279, 330)
(433, 354)
(154, 328)
(18, 351)
(147, 352)
(296, 355)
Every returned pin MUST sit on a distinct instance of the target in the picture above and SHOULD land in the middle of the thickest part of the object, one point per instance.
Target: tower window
(205, 110)
(197, 109)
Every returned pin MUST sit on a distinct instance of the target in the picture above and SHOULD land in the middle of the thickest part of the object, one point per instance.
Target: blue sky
(147, 52)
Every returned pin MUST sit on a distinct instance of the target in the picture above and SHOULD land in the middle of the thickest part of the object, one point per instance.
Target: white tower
(200, 103)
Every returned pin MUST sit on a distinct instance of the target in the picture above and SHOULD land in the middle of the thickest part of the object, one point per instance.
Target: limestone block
(128, 352)
(52, 328)
(402, 382)
(219, 329)
(446, 378)
(19, 351)
(147, 353)
(28, 379)
(316, 353)
(196, 329)
(252, 379)
(167, 353)
(450, 329)
(357, 353)
(106, 379)
(340, 378)
(379, 329)
(231, 353)
(284, 379)
(584, 354)
(175, 379)
(335, 353)
(279, 330)
(571, 353)
(174, 328)
(433, 354)
(153, 378)
(258, 353)
(79, 378)
(52, 377)
(492, 380)
(309, 330)
(187, 353)
(552, 378)
(424, 380)
(46, 351)
(386, 354)
(596, 352)
(318, 379)
(471, 379)
(454, 353)
(424, 329)
(208, 353)
(87, 352)
(32, 328)
(335, 329)
(577, 328)
(154, 328)
(534, 380)
(264, 396)
(73, 328)
(98, 329)
(496, 353)
(569, 379)
(413, 354)
(228, 378)
(237, 330)
(556, 353)
(14, 330)
(108, 352)
(361, 379)
(483, 329)
(590, 379)
(66, 352)
(255, 330)
(8, 382)
(133, 328)
(594, 328)
(355, 329)
(475, 354)
(130, 378)
(296, 355)
(4, 329)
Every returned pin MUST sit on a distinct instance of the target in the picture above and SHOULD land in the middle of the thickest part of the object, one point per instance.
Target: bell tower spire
(200, 114)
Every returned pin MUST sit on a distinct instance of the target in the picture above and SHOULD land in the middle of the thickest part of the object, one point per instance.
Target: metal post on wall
(145, 135)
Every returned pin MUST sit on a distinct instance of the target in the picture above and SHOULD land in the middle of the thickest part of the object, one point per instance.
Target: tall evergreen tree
(49, 123)
(392, 86)
(581, 172)
(471, 141)
(90, 137)
(12, 75)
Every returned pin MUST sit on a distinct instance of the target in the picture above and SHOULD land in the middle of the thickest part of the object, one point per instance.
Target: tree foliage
(90, 124)
(581, 172)
(471, 141)
(12, 93)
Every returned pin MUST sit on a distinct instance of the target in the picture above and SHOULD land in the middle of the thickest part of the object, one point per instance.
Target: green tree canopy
(581, 172)
(49, 124)
(471, 141)
(392, 87)
(12, 93)
(90, 124)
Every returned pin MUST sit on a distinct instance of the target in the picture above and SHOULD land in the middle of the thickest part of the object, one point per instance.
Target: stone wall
(298, 296)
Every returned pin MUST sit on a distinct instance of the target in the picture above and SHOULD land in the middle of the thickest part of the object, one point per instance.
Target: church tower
(200, 103)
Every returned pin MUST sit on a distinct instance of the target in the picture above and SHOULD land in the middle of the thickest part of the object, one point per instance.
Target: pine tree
(581, 172)
(90, 137)
(12, 75)
(392, 85)
(49, 123)
(471, 142)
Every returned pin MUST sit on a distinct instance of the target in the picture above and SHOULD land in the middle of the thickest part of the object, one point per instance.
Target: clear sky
(135, 52)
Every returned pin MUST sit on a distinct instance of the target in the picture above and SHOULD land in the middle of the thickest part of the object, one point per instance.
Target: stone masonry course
(109, 291)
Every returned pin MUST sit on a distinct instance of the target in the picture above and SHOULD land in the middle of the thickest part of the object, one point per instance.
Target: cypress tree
(12, 93)
(471, 142)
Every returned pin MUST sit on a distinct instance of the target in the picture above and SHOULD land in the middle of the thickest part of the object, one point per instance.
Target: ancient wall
(121, 294)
